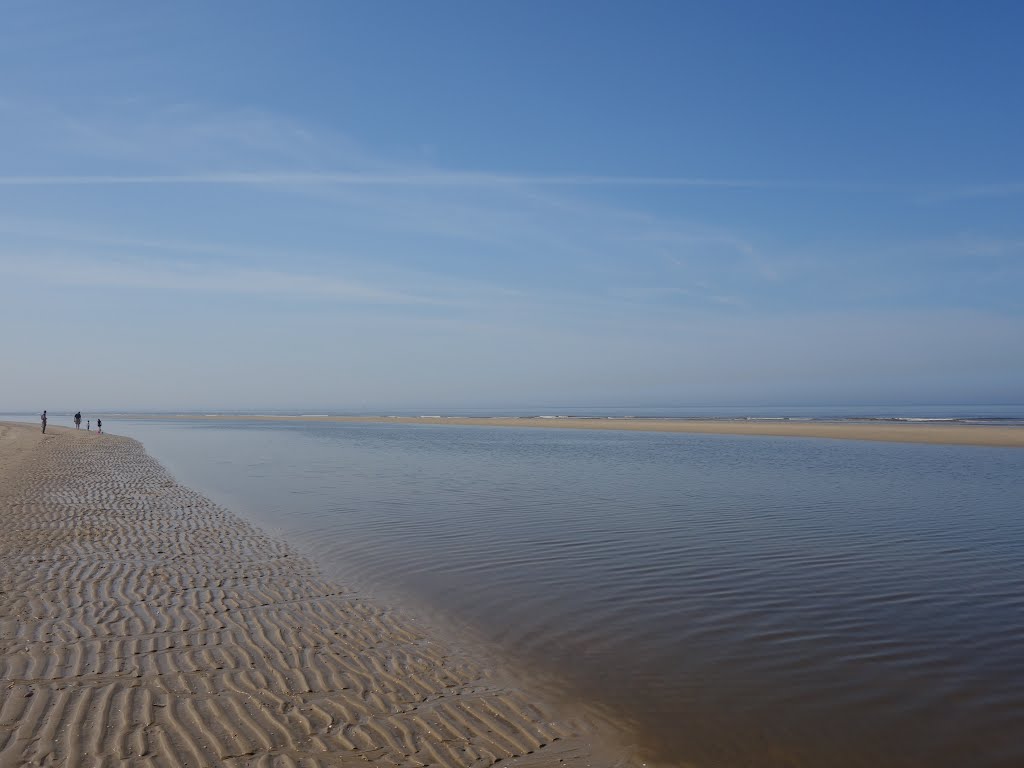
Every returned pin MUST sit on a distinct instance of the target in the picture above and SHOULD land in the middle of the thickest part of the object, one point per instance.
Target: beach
(883, 431)
(141, 622)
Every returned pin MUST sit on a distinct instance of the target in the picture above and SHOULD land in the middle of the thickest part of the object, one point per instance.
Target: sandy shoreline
(139, 621)
(902, 432)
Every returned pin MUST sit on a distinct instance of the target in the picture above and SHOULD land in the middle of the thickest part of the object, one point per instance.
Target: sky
(341, 205)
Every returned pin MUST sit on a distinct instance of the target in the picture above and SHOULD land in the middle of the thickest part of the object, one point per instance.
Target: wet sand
(901, 432)
(139, 621)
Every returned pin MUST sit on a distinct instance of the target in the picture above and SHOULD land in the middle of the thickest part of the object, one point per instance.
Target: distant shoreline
(943, 433)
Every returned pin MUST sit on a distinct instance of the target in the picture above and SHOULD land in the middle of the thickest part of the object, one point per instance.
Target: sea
(734, 601)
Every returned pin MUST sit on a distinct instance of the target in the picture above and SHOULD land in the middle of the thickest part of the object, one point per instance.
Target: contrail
(378, 179)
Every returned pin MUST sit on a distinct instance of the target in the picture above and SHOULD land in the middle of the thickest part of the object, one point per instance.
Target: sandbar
(894, 432)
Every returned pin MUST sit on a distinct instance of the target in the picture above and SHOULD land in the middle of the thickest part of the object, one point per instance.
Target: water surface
(747, 601)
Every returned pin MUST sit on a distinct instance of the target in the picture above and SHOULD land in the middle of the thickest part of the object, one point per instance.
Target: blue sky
(403, 204)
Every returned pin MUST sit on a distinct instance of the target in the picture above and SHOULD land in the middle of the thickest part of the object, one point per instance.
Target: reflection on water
(747, 601)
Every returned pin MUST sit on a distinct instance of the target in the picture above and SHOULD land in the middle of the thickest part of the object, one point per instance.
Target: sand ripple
(141, 622)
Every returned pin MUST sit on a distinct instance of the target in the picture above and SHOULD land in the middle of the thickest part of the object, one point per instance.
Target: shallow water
(744, 600)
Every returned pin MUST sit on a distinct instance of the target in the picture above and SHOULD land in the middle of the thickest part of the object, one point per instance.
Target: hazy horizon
(521, 408)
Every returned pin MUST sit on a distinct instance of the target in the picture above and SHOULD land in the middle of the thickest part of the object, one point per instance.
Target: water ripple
(746, 601)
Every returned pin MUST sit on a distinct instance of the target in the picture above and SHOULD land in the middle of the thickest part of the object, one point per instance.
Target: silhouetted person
(78, 420)
(43, 418)
(99, 426)
(88, 425)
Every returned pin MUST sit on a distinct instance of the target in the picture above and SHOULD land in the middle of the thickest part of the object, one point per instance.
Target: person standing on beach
(78, 420)
(99, 426)
(88, 425)
(43, 418)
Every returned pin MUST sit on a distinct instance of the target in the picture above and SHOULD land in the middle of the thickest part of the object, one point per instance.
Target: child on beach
(43, 417)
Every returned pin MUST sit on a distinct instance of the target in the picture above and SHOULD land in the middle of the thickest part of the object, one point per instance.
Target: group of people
(78, 422)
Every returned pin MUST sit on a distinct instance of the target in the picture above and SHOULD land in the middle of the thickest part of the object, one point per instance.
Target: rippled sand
(141, 622)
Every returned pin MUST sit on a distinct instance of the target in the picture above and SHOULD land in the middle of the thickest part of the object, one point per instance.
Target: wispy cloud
(944, 194)
(447, 179)
(399, 231)
(219, 279)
